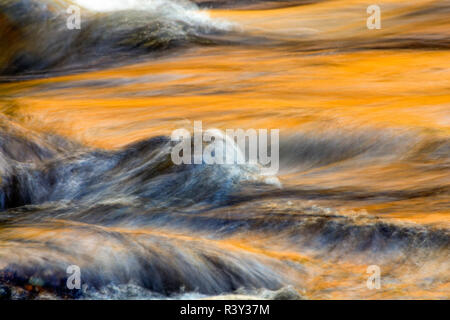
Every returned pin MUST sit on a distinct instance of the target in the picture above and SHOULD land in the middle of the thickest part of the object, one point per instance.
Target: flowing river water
(87, 179)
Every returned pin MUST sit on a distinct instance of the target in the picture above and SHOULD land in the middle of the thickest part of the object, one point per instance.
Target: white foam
(181, 10)
(245, 170)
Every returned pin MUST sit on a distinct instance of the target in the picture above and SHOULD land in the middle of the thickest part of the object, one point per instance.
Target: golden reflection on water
(242, 89)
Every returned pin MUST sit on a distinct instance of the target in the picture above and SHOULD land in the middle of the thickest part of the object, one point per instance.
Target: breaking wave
(118, 215)
(110, 31)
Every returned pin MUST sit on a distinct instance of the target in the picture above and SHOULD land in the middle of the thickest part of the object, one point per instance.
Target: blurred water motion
(86, 175)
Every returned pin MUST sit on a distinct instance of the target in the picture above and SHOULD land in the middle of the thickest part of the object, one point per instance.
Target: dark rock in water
(18, 293)
(5, 293)
(287, 293)
(38, 282)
